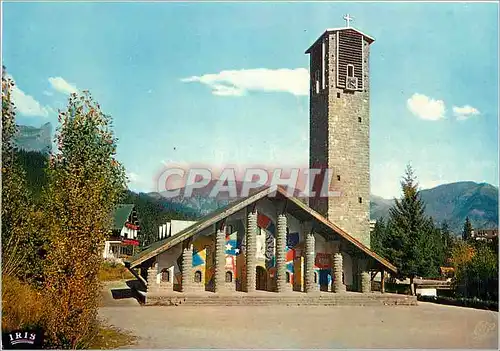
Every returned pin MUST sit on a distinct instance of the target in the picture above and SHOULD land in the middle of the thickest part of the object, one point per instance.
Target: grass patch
(111, 271)
(110, 337)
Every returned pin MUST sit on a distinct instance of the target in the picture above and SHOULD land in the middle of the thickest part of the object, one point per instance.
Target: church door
(261, 278)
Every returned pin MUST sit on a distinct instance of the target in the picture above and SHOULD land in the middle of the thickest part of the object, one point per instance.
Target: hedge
(462, 302)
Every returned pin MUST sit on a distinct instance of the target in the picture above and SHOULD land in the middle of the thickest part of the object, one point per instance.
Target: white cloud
(465, 112)
(26, 104)
(385, 178)
(133, 177)
(425, 107)
(47, 93)
(62, 86)
(239, 82)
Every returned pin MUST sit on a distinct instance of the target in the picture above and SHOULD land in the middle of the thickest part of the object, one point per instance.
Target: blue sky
(226, 82)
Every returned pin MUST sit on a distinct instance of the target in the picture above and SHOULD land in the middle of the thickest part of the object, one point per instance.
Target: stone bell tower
(340, 126)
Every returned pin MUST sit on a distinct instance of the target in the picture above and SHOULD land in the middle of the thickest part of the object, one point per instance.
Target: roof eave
(308, 51)
(370, 39)
(201, 225)
(344, 234)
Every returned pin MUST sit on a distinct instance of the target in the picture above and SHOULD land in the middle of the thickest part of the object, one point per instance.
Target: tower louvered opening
(350, 52)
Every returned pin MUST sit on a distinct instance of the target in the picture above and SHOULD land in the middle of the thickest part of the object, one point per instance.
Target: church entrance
(261, 278)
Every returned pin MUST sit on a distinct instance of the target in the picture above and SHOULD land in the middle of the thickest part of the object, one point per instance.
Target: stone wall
(153, 285)
(339, 127)
(318, 131)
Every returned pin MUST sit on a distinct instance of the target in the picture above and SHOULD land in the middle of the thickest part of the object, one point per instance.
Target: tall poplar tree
(85, 182)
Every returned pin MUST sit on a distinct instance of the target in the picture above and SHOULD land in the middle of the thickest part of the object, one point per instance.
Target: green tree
(378, 237)
(478, 277)
(412, 232)
(467, 231)
(448, 242)
(34, 164)
(394, 244)
(494, 245)
(19, 242)
(433, 250)
(84, 185)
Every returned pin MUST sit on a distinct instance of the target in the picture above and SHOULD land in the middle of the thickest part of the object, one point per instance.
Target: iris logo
(22, 339)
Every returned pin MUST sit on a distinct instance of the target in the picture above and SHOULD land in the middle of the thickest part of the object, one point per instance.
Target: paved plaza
(423, 326)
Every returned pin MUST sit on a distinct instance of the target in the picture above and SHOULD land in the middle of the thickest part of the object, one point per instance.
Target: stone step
(340, 300)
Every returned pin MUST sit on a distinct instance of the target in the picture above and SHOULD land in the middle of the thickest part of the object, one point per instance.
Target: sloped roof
(121, 214)
(294, 206)
(329, 30)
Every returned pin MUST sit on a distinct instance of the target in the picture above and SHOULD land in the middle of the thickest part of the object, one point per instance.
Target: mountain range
(451, 202)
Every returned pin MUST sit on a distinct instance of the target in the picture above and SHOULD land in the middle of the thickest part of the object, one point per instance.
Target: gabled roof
(294, 206)
(329, 30)
(121, 214)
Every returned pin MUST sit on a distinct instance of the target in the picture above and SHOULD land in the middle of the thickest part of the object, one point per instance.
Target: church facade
(268, 241)
(271, 241)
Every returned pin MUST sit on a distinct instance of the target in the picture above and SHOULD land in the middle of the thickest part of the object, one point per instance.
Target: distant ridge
(31, 138)
(452, 203)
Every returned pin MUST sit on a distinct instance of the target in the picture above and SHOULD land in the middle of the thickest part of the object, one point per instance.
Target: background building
(123, 241)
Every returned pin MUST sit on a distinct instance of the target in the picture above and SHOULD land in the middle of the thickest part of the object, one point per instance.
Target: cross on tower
(348, 19)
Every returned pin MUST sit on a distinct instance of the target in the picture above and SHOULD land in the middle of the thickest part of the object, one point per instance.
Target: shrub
(479, 276)
(23, 306)
(462, 302)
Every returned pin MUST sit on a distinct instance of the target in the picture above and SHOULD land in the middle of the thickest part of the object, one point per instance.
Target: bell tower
(339, 101)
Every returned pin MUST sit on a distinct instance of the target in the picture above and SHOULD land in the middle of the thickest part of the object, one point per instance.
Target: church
(273, 242)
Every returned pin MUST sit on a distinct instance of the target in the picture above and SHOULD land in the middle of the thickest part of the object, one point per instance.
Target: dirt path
(424, 326)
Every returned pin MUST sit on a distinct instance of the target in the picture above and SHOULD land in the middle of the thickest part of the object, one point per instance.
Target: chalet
(123, 240)
(485, 234)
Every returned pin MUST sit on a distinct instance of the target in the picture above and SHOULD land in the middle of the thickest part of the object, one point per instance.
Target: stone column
(365, 282)
(337, 269)
(153, 278)
(364, 277)
(187, 268)
(251, 251)
(310, 255)
(282, 284)
(220, 260)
